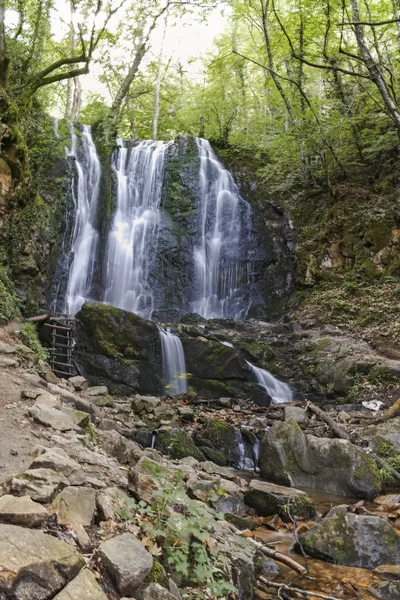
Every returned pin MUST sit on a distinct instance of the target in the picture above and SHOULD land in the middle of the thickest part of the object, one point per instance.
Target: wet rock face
(288, 457)
(353, 540)
(118, 349)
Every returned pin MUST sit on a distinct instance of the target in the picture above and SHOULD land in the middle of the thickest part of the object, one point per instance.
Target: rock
(220, 436)
(389, 571)
(79, 383)
(239, 522)
(289, 457)
(102, 401)
(71, 398)
(186, 413)
(216, 457)
(30, 394)
(57, 460)
(5, 361)
(80, 418)
(147, 478)
(22, 511)
(46, 372)
(270, 499)
(119, 349)
(353, 540)
(388, 500)
(83, 587)
(297, 414)
(387, 590)
(173, 588)
(34, 565)
(39, 484)
(118, 446)
(51, 417)
(225, 402)
(7, 348)
(96, 390)
(156, 592)
(49, 400)
(127, 561)
(111, 500)
(75, 505)
(177, 444)
(383, 438)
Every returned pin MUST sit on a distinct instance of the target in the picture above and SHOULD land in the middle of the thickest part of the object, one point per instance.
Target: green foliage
(8, 301)
(180, 526)
(386, 477)
(31, 339)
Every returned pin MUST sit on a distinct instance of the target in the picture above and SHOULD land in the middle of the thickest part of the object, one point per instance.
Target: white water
(85, 237)
(278, 391)
(174, 366)
(222, 276)
(132, 241)
(248, 461)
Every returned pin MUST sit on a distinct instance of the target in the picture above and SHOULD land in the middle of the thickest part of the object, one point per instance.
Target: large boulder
(178, 444)
(223, 437)
(384, 438)
(39, 484)
(353, 540)
(127, 561)
(34, 565)
(270, 499)
(75, 505)
(22, 511)
(289, 457)
(118, 349)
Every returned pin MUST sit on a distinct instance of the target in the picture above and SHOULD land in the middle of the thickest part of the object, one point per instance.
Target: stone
(353, 540)
(386, 590)
(111, 500)
(34, 565)
(75, 505)
(270, 499)
(225, 402)
(173, 588)
(388, 500)
(148, 478)
(51, 417)
(39, 484)
(57, 460)
(216, 457)
(5, 361)
(383, 438)
(22, 511)
(289, 457)
(297, 414)
(83, 587)
(102, 401)
(30, 394)
(96, 390)
(118, 446)
(7, 348)
(73, 399)
(221, 436)
(80, 418)
(127, 561)
(79, 383)
(156, 592)
(178, 444)
(49, 400)
(241, 523)
(47, 373)
(186, 413)
(150, 403)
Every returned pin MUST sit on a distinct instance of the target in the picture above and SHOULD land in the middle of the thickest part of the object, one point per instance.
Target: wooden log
(39, 318)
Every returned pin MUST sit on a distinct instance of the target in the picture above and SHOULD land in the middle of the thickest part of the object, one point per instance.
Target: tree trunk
(4, 59)
(372, 67)
(126, 84)
(77, 101)
(158, 83)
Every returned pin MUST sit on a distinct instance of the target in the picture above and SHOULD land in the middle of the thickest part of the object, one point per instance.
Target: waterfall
(278, 391)
(55, 128)
(174, 367)
(222, 277)
(132, 241)
(85, 192)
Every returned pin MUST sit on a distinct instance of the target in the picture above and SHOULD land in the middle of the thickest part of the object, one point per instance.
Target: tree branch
(368, 23)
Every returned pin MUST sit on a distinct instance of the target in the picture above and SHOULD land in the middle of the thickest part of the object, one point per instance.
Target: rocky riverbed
(145, 497)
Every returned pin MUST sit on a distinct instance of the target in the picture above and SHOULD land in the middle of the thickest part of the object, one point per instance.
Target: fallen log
(287, 588)
(39, 318)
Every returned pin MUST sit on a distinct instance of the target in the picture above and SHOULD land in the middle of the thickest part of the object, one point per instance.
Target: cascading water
(222, 277)
(278, 391)
(85, 192)
(174, 367)
(132, 242)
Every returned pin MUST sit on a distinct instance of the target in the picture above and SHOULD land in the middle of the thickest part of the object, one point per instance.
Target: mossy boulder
(208, 359)
(178, 444)
(353, 540)
(289, 457)
(118, 349)
(271, 499)
(223, 438)
(384, 438)
(216, 457)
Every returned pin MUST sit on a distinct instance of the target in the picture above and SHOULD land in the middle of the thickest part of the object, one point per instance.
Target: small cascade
(55, 129)
(278, 391)
(85, 192)
(248, 453)
(153, 439)
(132, 241)
(221, 255)
(174, 367)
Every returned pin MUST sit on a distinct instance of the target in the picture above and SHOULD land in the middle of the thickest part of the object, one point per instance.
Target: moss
(178, 444)
(31, 339)
(240, 522)
(261, 351)
(384, 447)
(222, 436)
(8, 300)
(366, 469)
(216, 457)
(157, 574)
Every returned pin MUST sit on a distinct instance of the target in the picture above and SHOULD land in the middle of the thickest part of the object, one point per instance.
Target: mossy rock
(353, 540)
(216, 457)
(240, 522)
(178, 444)
(223, 437)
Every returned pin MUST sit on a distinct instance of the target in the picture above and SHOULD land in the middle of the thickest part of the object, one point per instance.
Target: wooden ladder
(62, 345)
